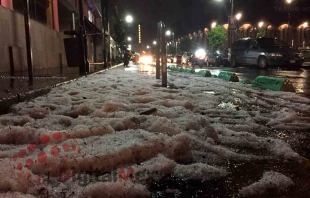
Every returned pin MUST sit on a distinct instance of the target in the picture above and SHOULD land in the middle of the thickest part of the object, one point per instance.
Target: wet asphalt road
(300, 78)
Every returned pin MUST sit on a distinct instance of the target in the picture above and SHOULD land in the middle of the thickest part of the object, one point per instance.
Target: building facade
(49, 19)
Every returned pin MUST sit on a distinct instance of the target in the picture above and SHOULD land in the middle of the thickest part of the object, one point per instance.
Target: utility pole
(82, 38)
(104, 9)
(28, 41)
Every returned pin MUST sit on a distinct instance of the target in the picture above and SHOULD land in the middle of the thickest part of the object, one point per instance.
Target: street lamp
(129, 19)
(238, 17)
(232, 6)
(148, 47)
(289, 18)
(213, 25)
(168, 33)
(260, 24)
(129, 38)
(305, 24)
(154, 43)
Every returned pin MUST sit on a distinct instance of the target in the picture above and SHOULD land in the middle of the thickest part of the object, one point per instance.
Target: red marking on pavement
(22, 153)
(19, 166)
(73, 147)
(57, 136)
(67, 135)
(32, 147)
(65, 146)
(65, 176)
(55, 151)
(29, 162)
(42, 157)
(27, 175)
(45, 139)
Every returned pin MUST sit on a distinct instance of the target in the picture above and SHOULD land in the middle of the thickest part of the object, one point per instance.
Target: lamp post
(289, 20)
(238, 17)
(129, 39)
(232, 7)
(168, 33)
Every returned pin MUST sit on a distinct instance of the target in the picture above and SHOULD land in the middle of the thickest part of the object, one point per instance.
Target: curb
(6, 103)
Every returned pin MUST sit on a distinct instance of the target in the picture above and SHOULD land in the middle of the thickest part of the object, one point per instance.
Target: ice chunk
(199, 172)
(270, 180)
(115, 190)
(15, 195)
(155, 168)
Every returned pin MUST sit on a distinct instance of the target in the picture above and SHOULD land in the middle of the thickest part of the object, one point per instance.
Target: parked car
(306, 54)
(263, 52)
(200, 57)
(170, 58)
(218, 58)
(186, 58)
(177, 59)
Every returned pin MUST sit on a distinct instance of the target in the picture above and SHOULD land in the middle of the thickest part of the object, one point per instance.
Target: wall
(47, 44)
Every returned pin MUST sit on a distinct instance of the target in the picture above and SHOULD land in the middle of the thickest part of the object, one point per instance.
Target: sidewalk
(14, 89)
(119, 133)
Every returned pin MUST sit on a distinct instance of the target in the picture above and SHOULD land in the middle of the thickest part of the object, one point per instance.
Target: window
(90, 16)
(37, 9)
(270, 43)
(253, 44)
(241, 44)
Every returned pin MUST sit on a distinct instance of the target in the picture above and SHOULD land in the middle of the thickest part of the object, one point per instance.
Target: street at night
(154, 98)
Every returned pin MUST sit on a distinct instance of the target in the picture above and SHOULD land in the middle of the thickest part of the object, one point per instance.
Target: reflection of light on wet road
(141, 68)
(147, 69)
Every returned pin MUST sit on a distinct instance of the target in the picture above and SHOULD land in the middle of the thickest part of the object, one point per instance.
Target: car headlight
(275, 55)
(201, 54)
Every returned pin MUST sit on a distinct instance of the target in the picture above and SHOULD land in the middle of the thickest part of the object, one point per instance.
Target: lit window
(90, 16)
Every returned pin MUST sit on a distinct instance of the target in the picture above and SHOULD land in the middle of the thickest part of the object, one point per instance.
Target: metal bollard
(158, 48)
(161, 57)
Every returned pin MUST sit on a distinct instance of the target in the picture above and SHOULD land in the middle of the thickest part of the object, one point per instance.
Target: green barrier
(204, 73)
(189, 70)
(273, 83)
(246, 81)
(179, 69)
(228, 76)
(213, 76)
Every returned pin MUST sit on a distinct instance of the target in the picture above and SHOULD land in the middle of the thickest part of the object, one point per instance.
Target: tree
(185, 44)
(261, 32)
(217, 37)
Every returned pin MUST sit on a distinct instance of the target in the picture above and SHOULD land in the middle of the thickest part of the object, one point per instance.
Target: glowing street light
(238, 16)
(148, 47)
(213, 25)
(129, 38)
(305, 25)
(154, 43)
(260, 24)
(168, 33)
(129, 19)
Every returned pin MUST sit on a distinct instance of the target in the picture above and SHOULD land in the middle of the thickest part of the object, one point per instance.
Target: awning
(69, 4)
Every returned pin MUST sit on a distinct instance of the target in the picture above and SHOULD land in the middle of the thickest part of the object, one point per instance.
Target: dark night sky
(187, 16)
